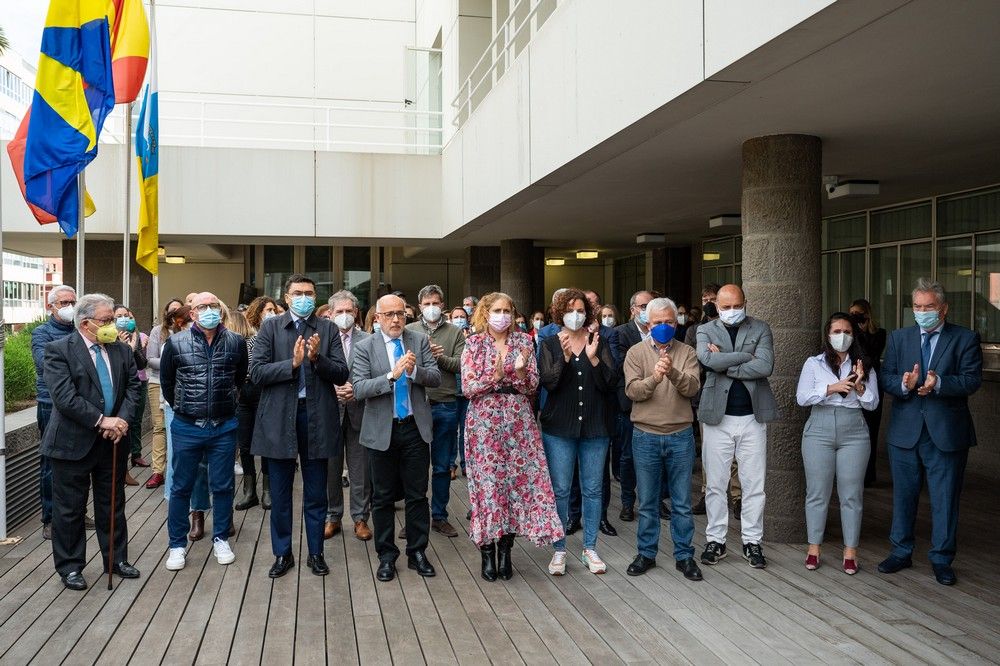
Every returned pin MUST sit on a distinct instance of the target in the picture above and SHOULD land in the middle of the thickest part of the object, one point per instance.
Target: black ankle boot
(503, 556)
(489, 553)
(248, 493)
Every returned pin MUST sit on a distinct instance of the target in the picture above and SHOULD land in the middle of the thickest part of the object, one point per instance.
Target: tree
(4, 44)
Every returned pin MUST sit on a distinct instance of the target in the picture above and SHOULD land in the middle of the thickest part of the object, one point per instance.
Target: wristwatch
(390, 377)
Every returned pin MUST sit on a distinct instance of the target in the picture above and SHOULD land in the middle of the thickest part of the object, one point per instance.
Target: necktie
(104, 376)
(925, 351)
(346, 340)
(299, 325)
(401, 389)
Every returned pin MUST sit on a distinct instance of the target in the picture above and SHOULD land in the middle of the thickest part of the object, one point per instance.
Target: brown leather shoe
(444, 527)
(155, 480)
(129, 481)
(197, 526)
(332, 529)
(139, 461)
(362, 531)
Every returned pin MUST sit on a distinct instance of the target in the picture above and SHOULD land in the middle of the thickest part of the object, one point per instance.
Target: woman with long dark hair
(872, 340)
(838, 384)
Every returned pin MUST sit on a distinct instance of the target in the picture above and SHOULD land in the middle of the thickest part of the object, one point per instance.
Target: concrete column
(671, 273)
(103, 274)
(481, 271)
(781, 277)
(517, 272)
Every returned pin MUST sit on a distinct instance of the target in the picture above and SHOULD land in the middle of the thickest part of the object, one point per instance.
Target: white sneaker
(176, 559)
(238, 469)
(557, 567)
(593, 562)
(223, 553)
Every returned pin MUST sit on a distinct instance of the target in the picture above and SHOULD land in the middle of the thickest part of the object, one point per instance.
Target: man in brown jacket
(661, 377)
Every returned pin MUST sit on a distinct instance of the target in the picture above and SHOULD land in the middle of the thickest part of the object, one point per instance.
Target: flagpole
(126, 254)
(81, 188)
(3, 395)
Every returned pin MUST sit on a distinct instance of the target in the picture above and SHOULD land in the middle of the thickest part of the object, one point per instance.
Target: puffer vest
(205, 386)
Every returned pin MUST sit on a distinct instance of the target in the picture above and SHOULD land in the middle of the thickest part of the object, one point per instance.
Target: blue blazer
(958, 362)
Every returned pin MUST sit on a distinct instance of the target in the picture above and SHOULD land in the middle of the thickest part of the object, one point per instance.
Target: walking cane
(114, 484)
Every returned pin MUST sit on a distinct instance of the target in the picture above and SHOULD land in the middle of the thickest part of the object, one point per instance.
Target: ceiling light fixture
(586, 254)
(711, 256)
(161, 251)
(555, 261)
(175, 260)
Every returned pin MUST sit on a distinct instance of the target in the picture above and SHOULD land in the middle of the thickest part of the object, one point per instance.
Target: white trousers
(746, 440)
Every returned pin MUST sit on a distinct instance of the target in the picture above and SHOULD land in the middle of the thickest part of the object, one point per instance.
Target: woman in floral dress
(509, 486)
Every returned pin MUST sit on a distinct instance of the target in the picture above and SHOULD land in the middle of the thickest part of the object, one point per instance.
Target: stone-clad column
(781, 277)
(481, 271)
(517, 272)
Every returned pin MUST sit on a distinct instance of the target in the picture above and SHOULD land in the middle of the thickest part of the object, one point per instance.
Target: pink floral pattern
(509, 486)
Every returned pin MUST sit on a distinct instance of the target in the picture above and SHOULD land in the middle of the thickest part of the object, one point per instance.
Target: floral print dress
(509, 486)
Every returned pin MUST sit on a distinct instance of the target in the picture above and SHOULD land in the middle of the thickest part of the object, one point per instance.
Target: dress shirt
(817, 376)
(346, 338)
(104, 354)
(644, 335)
(934, 341)
(305, 359)
(390, 350)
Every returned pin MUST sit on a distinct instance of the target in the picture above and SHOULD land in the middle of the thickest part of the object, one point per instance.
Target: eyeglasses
(64, 304)
(104, 322)
(295, 293)
(398, 314)
(206, 306)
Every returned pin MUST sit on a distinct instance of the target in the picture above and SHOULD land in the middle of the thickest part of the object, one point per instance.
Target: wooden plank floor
(209, 614)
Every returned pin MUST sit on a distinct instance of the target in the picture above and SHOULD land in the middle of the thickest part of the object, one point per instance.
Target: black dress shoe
(318, 565)
(607, 528)
(418, 562)
(386, 571)
(627, 515)
(345, 482)
(892, 564)
(125, 570)
(699, 508)
(664, 511)
(944, 574)
(640, 565)
(75, 581)
(574, 526)
(282, 563)
(47, 531)
(689, 568)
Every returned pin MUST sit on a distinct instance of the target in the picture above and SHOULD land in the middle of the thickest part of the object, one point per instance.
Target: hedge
(19, 367)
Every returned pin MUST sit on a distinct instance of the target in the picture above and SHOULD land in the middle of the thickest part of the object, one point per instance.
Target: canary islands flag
(74, 93)
(147, 149)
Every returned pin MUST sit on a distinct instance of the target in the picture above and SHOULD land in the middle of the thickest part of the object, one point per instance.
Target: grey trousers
(357, 474)
(835, 443)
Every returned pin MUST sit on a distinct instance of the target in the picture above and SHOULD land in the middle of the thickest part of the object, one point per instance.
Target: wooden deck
(210, 614)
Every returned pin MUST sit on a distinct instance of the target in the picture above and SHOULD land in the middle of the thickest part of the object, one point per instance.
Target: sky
(22, 20)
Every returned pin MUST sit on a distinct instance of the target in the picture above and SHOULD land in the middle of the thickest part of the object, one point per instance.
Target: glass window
(954, 272)
(914, 262)
(358, 274)
(841, 232)
(319, 266)
(852, 278)
(968, 212)
(279, 262)
(884, 287)
(900, 224)
(717, 253)
(830, 270)
(987, 287)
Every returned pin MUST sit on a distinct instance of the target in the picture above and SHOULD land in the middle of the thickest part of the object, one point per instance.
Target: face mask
(376, 327)
(125, 324)
(608, 321)
(574, 320)
(66, 313)
(106, 334)
(303, 306)
(461, 322)
(344, 320)
(841, 342)
(521, 325)
(662, 333)
(860, 319)
(643, 317)
(710, 310)
(537, 324)
(682, 319)
(468, 310)
(268, 315)
(209, 319)
(732, 317)
(927, 320)
(499, 321)
(432, 313)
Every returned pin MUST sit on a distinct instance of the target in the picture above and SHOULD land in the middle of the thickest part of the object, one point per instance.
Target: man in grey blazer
(736, 405)
(389, 372)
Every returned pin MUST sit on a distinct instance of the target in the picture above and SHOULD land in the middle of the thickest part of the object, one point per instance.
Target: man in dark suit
(297, 359)
(94, 388)
(390, 371)
(930, 370)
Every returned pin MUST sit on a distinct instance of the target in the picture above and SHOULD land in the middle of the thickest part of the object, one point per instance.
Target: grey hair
(929, 286)
(555, 294)
(658, 304)
(631, 301)
(57, 289)
(430, 290)
(343, 295)
(87, 305)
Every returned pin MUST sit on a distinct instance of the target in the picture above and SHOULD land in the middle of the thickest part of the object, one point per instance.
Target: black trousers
(246, 416)
(71, 482)
(404, 464)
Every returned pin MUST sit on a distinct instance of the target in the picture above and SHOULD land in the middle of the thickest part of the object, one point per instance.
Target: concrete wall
(592, 275)
(222, 279)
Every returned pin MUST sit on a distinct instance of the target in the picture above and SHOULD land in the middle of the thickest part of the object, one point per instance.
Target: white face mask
(268, 315)
(682, 319)
(65, 314)
(841, 342)
(432, 313)
(344, 321)
(732, 317)
(574, 320)
(608, 321)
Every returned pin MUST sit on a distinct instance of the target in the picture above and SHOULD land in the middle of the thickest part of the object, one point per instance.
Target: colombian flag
(147, 150)
(129, 49)
(74, 93)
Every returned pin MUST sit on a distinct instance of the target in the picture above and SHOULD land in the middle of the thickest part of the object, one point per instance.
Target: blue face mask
(662, 333)
(303, 306)
(468, 309)
(125, 324)
(209, 319)
(460, 322)
(376, 327)
(643, 317)
(927, 320)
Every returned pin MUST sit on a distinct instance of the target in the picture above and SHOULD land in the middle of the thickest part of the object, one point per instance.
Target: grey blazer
(369, 367)
(352, 413)
(752, 362)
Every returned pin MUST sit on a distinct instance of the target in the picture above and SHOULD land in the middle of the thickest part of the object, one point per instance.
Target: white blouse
(817, 376)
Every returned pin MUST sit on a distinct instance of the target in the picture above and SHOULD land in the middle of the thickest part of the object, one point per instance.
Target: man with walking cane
(94, 387)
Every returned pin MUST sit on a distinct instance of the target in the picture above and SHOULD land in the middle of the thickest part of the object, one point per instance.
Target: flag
(129, 49)
(15, 150)
(74, 93)
(147, 150)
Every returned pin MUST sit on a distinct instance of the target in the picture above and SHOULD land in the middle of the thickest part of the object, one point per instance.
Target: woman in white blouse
(838, 384)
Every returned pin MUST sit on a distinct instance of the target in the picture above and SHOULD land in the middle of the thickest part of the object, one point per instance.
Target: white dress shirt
(817, 376)
(295, 323)
(390, 350)
(93, 357)
(934, 341)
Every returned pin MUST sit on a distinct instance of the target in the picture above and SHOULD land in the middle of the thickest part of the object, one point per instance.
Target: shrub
(19, 369)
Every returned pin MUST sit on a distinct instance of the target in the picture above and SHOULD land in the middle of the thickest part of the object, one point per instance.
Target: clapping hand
(591, 348)
(312, 346)
(437, 350)
(929, 383)
(405, 365)
(663, 367)
(859, 373)
(911, 378)
(521, 362)
(298, 352)
(566, 345)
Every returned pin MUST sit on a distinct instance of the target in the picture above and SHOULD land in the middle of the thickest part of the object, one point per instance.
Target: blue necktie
(402, 394)
(104, 376)
(925, 352)
(299, 325)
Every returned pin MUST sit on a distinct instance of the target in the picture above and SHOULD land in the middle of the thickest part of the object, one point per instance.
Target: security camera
(831, 188)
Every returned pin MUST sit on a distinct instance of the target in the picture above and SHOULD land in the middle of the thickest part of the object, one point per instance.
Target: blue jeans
(199, 496)
(563, 454)
(191, 444)
(458, 451)
(445, 415)
(42, 415)
(652, 453)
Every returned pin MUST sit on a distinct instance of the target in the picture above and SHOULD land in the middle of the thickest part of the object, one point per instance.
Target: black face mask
(859, 319)
(710, 310)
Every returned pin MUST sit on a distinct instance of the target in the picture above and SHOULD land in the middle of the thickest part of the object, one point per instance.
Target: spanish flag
(129, 49)
(147, 150)
(74, 93)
